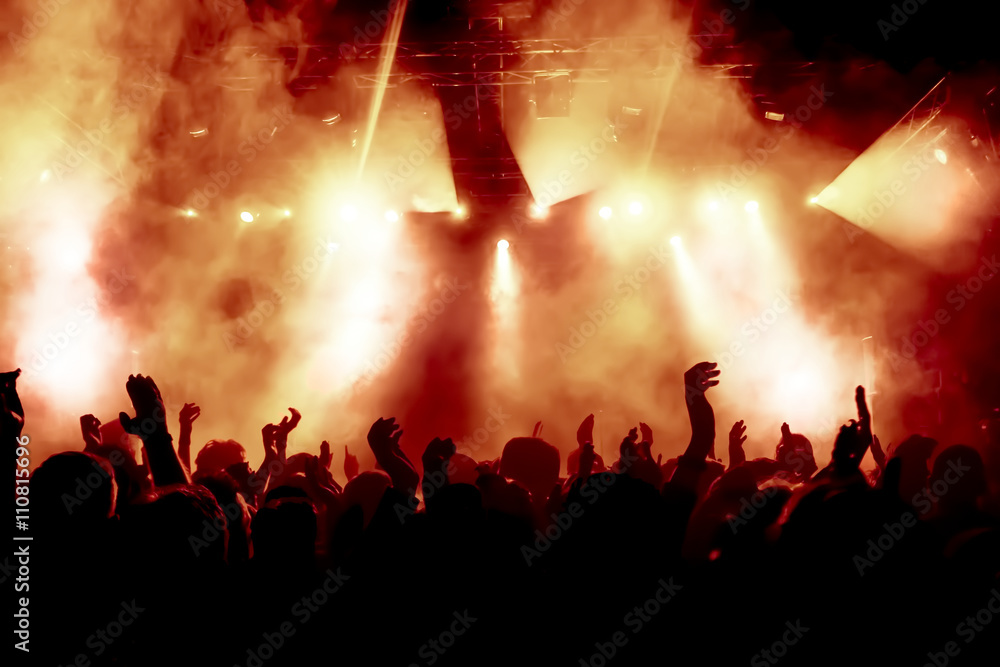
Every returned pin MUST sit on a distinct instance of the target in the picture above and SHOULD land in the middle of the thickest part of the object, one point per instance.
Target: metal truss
(496, 60)
(917, 119)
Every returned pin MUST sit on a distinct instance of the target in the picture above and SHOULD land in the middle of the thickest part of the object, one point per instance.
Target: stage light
(348, 212)
(288, 213)
(675, 241)
(751, 207)
(605, 212)
(537, 211)
(502, 244)
(70, 249)
(391, 216)
(246, 216)
(713, 205)
(814, 200)
(635, 208)
(44, 178)
(203, 132)
(941, 156)
(460, 211)
(190, 213)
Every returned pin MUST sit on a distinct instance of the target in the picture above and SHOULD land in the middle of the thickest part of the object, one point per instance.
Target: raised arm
(189, 413)
(351, 467)
(258, 480)
(697, 380)
(383, 438)
(853, 440)
(150, 424)
(12, 415)
(737, 436)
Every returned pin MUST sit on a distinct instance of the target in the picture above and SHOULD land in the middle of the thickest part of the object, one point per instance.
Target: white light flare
(348, 213)
(506, 315)
(694, 294)
(65, 346)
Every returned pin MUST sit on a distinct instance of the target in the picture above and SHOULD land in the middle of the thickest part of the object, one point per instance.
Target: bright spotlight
(502, 244)
(941, 156)
(675, 241)
(538, 211)
(605, 212)
(190, 213)
(751, 206)
(44, 178)
(814, 200)
(246, 216)
(459, 211)
(391, 216)
(348, 212)
(713, 205)
(635, 208)
(288, 213)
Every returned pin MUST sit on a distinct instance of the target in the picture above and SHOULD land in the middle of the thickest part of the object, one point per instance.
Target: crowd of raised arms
(141, 558)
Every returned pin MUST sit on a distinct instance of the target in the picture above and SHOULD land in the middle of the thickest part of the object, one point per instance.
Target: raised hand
(150, 424)
(878, 453)
(646, 442)
(189, 413)
(12, 415)
(697, 380)
(287, 425)
(646, 432)
(437, 454)
(383, 438)
(325, 457)
(854, 438)
(268, 435)
(864, 417)
(737, 436)
(150, 416)
(351, 467)
(628, 450)
(320, 485)
(700, 378)
(90, 428)
(258, 481)
(585, 432)
(282, 430)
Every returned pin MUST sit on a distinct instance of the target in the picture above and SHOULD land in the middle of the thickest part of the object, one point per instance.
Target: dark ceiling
(880, 56)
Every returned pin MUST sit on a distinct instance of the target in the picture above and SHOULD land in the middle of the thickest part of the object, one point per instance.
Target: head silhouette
(218, 455)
